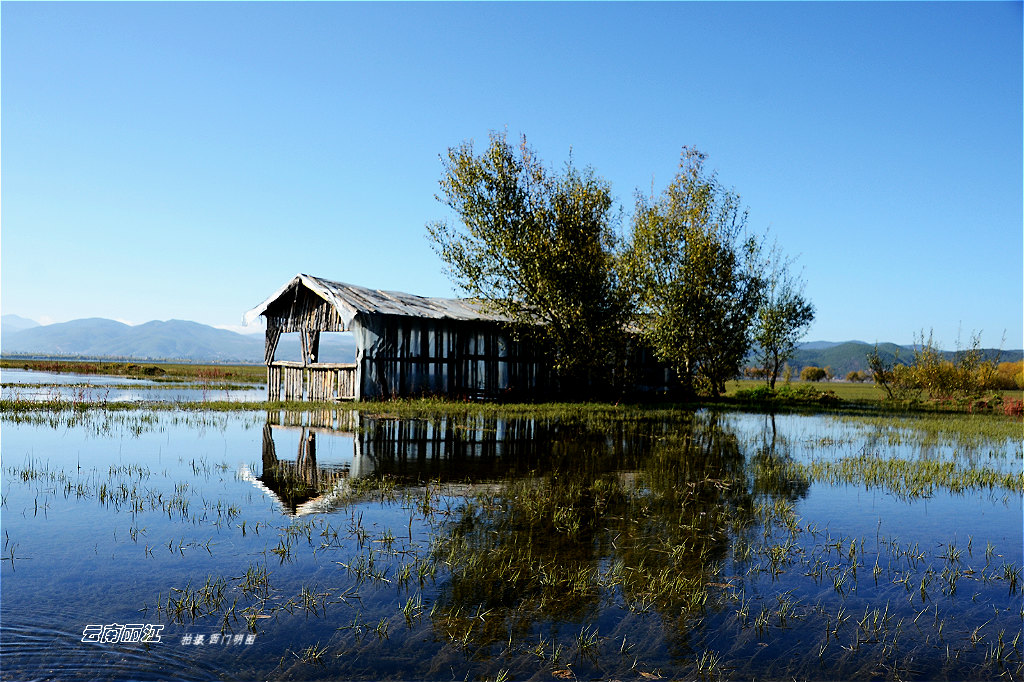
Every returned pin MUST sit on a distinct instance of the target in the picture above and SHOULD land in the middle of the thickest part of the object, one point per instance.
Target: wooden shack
(406, 345)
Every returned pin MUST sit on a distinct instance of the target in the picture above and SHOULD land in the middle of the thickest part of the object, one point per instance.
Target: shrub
(756, 394)
(1013, 407)
(968, 375)
(808, 394)
(1008, 376)
(789, 394)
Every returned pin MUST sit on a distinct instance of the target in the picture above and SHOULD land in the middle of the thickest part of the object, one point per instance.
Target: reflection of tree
(772, 470)
(544, 549)
(695, 495)
(529, 553)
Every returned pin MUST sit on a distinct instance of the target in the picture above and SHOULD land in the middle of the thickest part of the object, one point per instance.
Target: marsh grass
(910, 479)
(867, 393)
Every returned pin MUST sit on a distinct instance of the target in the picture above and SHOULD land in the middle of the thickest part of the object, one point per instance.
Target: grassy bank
(845, 390)
(834, 394)
(842, 397)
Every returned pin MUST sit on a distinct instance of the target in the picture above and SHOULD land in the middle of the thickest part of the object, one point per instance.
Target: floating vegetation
(910, 479)
(928, 430)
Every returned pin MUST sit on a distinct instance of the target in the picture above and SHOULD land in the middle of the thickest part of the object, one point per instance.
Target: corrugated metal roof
(350, 300)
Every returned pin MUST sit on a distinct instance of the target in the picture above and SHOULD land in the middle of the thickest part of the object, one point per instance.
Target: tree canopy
(690, 282)
(538, 247)
(697, 276)
(782, 318)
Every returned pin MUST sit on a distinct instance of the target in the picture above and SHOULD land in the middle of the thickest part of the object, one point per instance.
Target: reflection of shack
(301, 486)
(412, 452)
(449, 449)
(408, 451)
(406, 345)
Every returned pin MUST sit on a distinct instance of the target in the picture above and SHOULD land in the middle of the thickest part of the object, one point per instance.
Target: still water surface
(334, 545)
(19, 384)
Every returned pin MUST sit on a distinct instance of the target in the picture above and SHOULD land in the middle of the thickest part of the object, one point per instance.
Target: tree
(967, 375)
(812, 374)
(696, 275)
(539, 248)
(782, 319)
(893, 376)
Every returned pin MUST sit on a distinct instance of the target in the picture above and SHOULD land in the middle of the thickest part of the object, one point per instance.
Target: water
(329, 544)
(19, 384)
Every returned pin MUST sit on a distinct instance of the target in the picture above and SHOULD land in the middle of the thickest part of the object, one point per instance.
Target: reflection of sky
(333, 448)
(81, 564)
(23, 376)
(806, 438)
(943, 517)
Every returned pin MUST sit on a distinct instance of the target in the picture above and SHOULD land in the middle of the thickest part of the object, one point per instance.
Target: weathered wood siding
(319, 382)
(407, 356)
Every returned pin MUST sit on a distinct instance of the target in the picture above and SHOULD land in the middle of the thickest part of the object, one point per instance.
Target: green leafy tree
(782, 319)
(812, 374)
(538, 247)
(696, 276)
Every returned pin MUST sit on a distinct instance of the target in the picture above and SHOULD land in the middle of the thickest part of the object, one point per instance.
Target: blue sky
(184, 160)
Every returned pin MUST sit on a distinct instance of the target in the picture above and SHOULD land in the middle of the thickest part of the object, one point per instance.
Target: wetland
(418, 541)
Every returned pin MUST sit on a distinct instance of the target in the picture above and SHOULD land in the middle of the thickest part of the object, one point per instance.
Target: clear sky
(184, 160)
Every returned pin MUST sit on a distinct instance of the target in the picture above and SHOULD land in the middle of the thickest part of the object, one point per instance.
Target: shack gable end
(301, 309)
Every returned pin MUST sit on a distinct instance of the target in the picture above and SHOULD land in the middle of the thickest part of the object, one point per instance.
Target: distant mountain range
(849, 356)
(96, 338)
(819, 345)
(16, 323)
(170, 340)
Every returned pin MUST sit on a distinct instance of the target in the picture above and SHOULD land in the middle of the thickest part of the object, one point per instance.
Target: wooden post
(310, 345)
(273, 336)
(314, 345)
